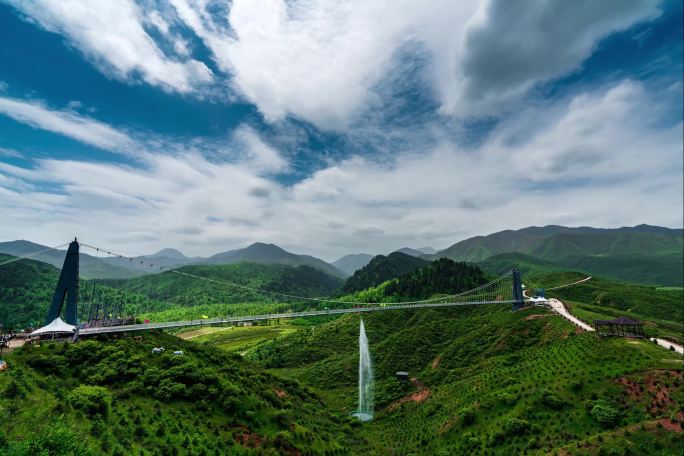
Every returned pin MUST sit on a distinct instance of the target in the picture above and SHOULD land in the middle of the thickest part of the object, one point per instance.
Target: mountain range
(642, 254)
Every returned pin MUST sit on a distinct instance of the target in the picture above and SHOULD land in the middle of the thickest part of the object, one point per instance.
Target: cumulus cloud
(111, 34)
(630, 174)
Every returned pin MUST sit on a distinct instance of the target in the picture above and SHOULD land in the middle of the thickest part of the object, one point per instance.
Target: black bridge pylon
(67, 287)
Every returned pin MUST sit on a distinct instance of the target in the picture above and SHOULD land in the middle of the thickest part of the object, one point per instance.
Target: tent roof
(57, 326)
(618, 321)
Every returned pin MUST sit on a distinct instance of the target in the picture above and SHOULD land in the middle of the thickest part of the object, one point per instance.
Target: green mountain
(440, 277)
(527, 264)
(26, 289)
(272, 254)
(643, 254)
(90, 267)
(349, 264)
(413, 252)
(380, 269)
(172, 287)
(114, 397)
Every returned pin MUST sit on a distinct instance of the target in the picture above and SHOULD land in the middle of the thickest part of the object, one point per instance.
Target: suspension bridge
(506, 289)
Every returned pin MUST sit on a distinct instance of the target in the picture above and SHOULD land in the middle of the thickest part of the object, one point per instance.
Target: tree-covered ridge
(441, 277)
(380, 269)
(114, 397)
(177, 288)
(26, 288)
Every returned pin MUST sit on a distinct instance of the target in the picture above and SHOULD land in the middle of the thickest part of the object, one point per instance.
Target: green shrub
(467, 416)
(605, 414)
(550, 399)
(516, 426)
(55, 440)
(92, 400)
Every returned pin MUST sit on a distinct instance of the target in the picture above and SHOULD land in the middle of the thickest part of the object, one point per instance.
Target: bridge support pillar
(518, 297)
(67, 288)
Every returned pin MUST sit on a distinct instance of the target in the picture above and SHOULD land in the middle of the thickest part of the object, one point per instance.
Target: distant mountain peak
(169, 253)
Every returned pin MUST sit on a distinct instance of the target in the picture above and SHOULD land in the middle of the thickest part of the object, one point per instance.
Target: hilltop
(352, 262)
(272, 254)
(380, 269)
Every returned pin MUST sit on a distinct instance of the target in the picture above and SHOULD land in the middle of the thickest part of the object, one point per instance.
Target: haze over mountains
(641, 254)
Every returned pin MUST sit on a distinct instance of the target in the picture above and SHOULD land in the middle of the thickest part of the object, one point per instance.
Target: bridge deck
(308, 313)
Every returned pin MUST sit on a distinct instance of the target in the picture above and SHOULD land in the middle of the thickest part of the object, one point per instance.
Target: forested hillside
(114, 397)
(26, 288)
(380, 269)
(441, 277)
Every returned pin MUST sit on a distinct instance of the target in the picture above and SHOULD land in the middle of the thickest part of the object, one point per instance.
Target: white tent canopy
(56, 327)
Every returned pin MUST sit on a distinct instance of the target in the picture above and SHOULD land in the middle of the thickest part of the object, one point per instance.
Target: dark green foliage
(92, 400)
(380, 269)
(467, 416)
(552, 400)
(604, 413)
(26, 288)
(55, 440)
(439, 277)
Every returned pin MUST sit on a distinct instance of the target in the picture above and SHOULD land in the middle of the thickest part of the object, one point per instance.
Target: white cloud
(325, 61)
(66, 123)
(259, 155)
(110, 33)
(593, 161)
(321, 60)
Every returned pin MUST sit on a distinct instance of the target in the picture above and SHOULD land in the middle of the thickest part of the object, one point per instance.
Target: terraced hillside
(490, 381)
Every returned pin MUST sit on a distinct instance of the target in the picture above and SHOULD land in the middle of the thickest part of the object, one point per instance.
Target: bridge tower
(67, 287)
(518, 297)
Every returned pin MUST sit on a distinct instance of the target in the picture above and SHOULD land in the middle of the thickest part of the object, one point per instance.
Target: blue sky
(332, 128)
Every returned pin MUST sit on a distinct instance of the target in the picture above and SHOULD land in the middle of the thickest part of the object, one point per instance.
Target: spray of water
(365, 410)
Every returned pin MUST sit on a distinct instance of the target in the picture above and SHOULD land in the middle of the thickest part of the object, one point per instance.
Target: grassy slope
(649, 302)
(492, 361)
(202, 403)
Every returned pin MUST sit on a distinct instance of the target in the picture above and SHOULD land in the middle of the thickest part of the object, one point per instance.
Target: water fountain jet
(365, 409)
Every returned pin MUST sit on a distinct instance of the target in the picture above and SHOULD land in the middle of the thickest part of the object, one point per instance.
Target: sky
(331, 127)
